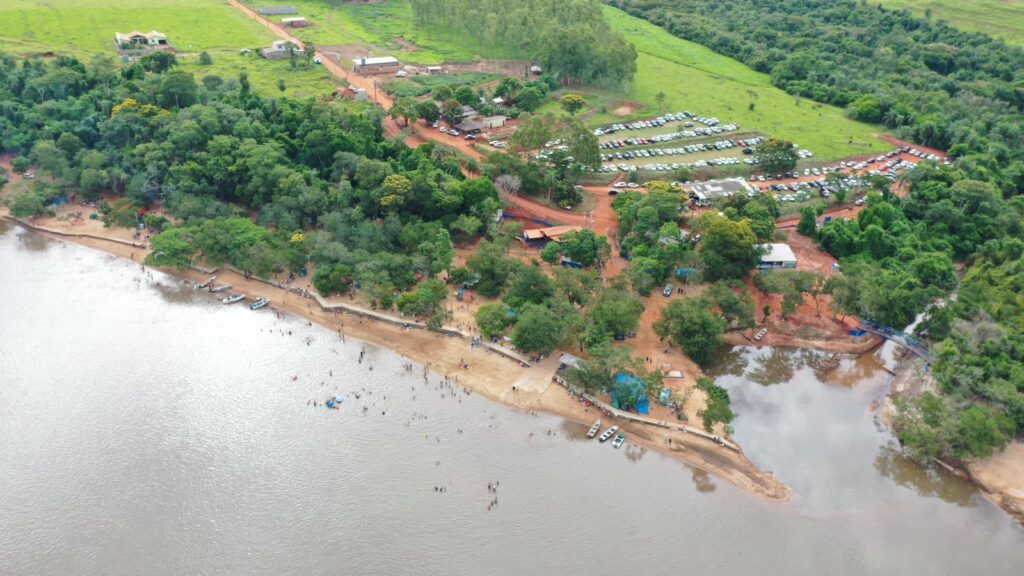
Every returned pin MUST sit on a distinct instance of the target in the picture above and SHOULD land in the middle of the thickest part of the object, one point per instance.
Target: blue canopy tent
(629, 393)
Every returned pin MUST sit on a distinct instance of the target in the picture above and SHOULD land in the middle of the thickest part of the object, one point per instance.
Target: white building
(776, 256)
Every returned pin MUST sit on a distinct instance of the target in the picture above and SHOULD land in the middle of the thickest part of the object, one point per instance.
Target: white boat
(221, 288)
(619, 440)
(608, 433)
(260, 303)
(594, 429)
(206, 283)
(233, 299)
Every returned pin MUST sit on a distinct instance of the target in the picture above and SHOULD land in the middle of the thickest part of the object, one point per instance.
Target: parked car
(667, 291)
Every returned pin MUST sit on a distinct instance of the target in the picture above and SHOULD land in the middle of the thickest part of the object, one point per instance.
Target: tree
(719, 407)
(452, 111)
(538, 330)
(494, 268)
(442, 93)
(585, 247)
(736, 309)
(395, 192)
(808, 225)
(428, 111)
(177, 89)
(205, 59)
(406, 109)
(660, 99)
(172, 248)
(529, 99)
(691, 326)
(465, 96)
(493, 319)
(775, 156)
(728, 247)
(529, 285)
(158, 61)
(444, 252)
(534, 130)
(281, 86)
(572, 103)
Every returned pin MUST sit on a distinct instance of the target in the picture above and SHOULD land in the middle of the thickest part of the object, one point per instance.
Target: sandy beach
(479, 370)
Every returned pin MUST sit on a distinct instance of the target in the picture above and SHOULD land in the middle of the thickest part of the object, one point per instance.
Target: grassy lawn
(999, 18)
(696, 79)
(263, 74)
(379, 25)
(89, 25)
(86, 27)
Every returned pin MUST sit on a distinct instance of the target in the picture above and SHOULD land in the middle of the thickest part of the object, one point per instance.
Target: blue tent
(629, 393)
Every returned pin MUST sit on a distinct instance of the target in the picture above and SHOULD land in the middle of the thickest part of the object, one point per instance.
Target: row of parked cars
(689, 149)
(660, 138)
(659, 121)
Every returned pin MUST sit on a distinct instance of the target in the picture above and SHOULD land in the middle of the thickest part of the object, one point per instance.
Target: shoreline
(999, 478)
(487, 373)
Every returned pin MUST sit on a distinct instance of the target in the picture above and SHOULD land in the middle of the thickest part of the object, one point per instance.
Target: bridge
(903, 339)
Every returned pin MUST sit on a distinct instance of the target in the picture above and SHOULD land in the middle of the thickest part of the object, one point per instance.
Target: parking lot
(665, 128)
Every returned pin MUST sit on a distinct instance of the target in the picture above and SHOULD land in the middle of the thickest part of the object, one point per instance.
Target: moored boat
(594, 429)
(232, 299)
(619, 440)
(206, 283)
(608, 433)
(259, 303)
(221, 288)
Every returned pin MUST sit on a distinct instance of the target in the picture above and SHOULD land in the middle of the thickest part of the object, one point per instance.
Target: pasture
(1002, 19)
(697, 79)
(89, 25)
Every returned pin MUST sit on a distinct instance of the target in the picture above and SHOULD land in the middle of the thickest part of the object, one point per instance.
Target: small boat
(221, 288)
(608, 433)
(206, 283)
(619, 440)
(233, 299)
(594, 429)
(260, 303)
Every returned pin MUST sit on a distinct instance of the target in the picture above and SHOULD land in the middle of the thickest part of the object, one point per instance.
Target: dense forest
(937, 86)
(266, 184)
(571, 38)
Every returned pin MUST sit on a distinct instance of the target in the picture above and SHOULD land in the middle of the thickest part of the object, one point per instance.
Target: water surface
(147, 429)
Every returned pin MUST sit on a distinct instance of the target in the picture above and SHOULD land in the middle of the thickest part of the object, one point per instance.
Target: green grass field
(89, 25)
(86, 27)
(999, 18)
(380, 25)
(263, 74)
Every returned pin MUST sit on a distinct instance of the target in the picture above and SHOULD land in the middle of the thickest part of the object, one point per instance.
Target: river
(147, 429)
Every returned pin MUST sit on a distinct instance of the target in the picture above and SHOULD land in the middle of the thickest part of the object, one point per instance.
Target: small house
(566, 362)
(723, 188)
(468, 112)
(497, 101)
(541, 236)
(470, 126)
(295, 22)
(140, 40)
(776, 256)
(379, 65)
(494, 121)
(280, 50)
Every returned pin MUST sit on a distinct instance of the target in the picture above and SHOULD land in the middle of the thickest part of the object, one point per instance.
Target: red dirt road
(421, 132)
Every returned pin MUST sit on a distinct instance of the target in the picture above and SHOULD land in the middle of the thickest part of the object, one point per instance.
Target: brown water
(145, 429)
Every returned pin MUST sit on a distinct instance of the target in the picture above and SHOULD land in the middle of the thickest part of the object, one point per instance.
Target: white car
(620, 184)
